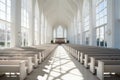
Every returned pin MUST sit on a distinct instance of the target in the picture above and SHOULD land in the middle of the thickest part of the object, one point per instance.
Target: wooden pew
(16, 66)
(101, 59)
(82, 51)
(34, 57)
(28, 61)
(37, 54)
(27, 50)
(48, 48)
(107, 66)
(86, 57)
(43, 50)
(94, 60)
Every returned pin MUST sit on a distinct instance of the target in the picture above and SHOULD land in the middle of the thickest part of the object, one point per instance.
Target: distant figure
(98, 41)
(67, 41)
(52, 41)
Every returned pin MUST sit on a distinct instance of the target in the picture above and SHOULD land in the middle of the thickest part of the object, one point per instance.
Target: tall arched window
(101, 22)
(60, 31)
(5, 22)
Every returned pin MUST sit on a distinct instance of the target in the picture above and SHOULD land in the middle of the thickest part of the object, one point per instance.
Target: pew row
(34, 57)
(94, 61)
(31, 56)
(86, 59)
(93, 57)
(111, 66)
(16, 66)
(28, 62)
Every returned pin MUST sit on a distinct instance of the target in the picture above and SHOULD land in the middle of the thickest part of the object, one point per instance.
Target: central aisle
(61, 66)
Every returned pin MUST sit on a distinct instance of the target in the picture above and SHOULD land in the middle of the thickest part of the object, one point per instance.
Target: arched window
(5, 23)
(101, 22)
(60, 31)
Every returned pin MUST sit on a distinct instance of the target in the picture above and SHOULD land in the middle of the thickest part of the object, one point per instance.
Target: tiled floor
(59, 66)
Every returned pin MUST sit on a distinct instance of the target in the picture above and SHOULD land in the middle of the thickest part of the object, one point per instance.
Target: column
(113, 29)
(92, 22)
(32, 22)
(16, 23)
(56, 32)
(81, 34)
(39, 28)
(45, 31)
(81, 25)
(49, 34)
(63, 32)
(42, 29)
(52, 31)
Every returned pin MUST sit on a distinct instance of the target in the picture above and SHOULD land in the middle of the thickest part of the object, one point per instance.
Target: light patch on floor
(61, 68)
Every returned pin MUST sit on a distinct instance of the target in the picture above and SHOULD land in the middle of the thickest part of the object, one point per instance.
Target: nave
(61, 66)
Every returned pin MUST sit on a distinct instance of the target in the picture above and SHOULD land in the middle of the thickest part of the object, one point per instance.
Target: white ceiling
(59, 12)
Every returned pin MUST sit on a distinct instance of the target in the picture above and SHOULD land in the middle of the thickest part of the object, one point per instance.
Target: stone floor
(59, 66)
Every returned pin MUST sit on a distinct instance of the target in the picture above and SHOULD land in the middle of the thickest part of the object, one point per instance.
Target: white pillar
(56, 32)
(16, 23)
(32, 22)
(68, 33)
(81, 34)
(92, 20)
(44, 31)
(52, 33)
(42, 28)
(63, 32)
(113, 27)
(49, 34)
(76, 30)
(81, 27)
(39, 29)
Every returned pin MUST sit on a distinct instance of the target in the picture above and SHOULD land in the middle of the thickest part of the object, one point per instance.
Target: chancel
(59, 40)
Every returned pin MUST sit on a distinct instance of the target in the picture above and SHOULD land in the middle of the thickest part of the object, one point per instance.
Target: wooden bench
(23, 51)
(34, 57)
(94, 60)
(43, 50)
(82, 52)
(86, 58)
(107, 66)
(100, 59)
(21, 59)
(16, 66)
(28, 61)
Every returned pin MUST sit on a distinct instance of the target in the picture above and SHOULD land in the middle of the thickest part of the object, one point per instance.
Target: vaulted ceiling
(59, 12)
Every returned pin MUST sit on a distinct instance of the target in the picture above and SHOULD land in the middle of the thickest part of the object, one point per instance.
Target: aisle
(61, 66)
